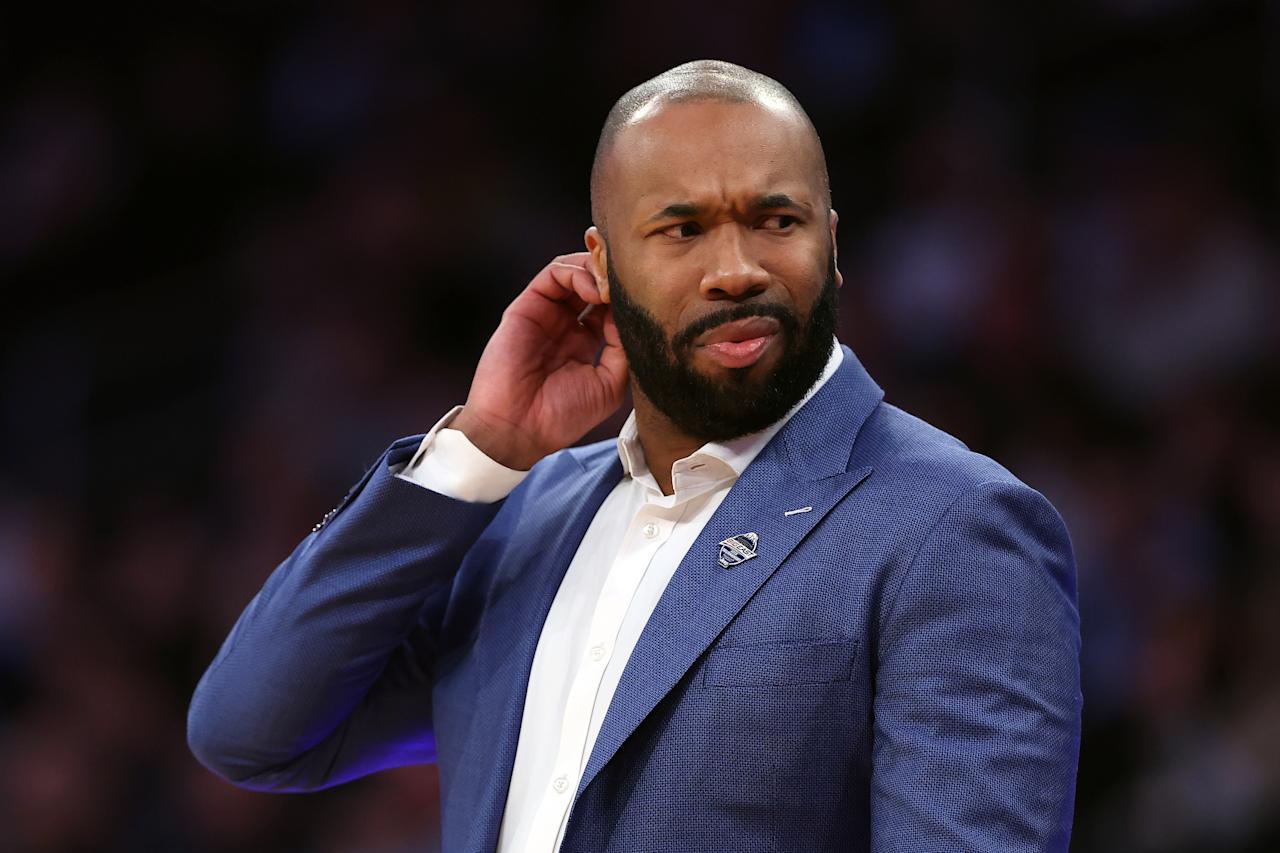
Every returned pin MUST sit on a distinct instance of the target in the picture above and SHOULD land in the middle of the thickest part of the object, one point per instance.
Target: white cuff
(449, 464)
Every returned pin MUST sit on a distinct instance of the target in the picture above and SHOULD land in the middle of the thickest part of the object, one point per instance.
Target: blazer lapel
(499, 705)
(806, 465)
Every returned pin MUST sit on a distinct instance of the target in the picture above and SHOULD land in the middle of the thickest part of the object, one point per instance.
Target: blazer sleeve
(327, 674)
(977, 695)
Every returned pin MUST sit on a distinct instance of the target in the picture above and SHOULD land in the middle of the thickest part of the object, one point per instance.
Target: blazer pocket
(782, 663)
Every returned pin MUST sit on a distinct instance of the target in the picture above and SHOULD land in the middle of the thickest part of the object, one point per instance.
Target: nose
(731, 271)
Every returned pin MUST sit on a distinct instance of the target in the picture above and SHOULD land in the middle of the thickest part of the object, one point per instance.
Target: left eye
(778, 222)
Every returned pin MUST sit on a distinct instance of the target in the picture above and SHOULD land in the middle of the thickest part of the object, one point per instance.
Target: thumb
(612, 367)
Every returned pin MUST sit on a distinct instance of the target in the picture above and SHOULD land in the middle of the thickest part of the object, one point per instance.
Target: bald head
(700, 80)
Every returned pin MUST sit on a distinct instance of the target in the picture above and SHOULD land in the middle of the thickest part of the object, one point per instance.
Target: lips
(740, 343)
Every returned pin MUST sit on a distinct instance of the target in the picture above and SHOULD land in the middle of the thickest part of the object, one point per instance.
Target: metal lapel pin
(738, 549)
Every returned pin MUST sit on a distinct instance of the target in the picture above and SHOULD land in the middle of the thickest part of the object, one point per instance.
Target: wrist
(502, 444)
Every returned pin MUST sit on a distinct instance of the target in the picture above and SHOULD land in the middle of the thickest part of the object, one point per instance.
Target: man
(777, 614)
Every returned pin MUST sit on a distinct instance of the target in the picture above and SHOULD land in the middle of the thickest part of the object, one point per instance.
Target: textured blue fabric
(896, 670)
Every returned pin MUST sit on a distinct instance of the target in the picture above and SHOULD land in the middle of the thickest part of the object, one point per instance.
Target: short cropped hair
(702, 79)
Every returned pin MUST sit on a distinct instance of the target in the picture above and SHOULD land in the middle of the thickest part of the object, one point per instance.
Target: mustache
(787, 320)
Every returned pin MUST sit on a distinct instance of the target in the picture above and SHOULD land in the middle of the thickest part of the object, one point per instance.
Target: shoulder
(903, 447)
(964, 520)
(915, 464)
(927, 487)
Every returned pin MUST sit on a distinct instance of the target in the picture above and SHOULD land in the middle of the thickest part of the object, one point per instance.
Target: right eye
(680, 231)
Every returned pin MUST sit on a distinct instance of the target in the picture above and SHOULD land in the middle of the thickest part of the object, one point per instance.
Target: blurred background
(245, 246)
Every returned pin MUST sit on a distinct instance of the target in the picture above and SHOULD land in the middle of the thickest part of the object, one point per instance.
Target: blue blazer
(897, 669)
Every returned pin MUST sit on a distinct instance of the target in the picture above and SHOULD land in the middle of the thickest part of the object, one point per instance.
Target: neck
(662, 441)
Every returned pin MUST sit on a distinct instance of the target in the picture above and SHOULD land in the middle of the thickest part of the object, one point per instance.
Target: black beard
(719, 410)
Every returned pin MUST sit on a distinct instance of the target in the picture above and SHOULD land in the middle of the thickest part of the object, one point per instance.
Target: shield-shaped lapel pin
(737, 549)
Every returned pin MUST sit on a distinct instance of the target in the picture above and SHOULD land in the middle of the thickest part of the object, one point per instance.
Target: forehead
(711, 153)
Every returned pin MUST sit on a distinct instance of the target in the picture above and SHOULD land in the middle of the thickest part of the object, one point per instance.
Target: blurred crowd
(243, 249)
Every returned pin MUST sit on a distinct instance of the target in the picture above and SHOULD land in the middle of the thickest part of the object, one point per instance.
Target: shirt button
(650, 530)
(561, 784)
(597, 652)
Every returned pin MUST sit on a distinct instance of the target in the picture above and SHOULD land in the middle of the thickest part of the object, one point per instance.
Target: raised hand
(538, 386)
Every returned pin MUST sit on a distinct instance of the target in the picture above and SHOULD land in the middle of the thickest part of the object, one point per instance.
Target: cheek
(798, 291)
(796, 257)
(671, 296)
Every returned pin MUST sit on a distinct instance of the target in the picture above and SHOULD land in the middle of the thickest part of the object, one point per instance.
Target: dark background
(242, 250)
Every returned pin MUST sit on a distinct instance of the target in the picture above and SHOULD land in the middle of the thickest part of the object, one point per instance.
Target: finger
(612, 366)
(558, 293)
(573, 279)
(548, 281)
(595, 320)
(573, 261)
(574, 264)
(556, 319)
(592, 317)
(579, 258)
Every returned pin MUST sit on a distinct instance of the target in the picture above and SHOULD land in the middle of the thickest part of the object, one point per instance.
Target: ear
(599, 260)
(835, 218)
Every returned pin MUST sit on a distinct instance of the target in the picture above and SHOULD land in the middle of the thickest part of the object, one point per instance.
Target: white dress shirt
(632, 548)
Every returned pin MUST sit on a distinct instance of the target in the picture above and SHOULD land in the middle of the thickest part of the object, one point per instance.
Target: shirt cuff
(449, 464)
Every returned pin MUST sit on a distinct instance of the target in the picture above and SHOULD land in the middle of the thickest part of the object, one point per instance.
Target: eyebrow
(777, 200)
(680, 208)
(771, 201)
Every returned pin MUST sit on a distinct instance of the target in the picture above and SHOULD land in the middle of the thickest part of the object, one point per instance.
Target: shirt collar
(717, 460)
